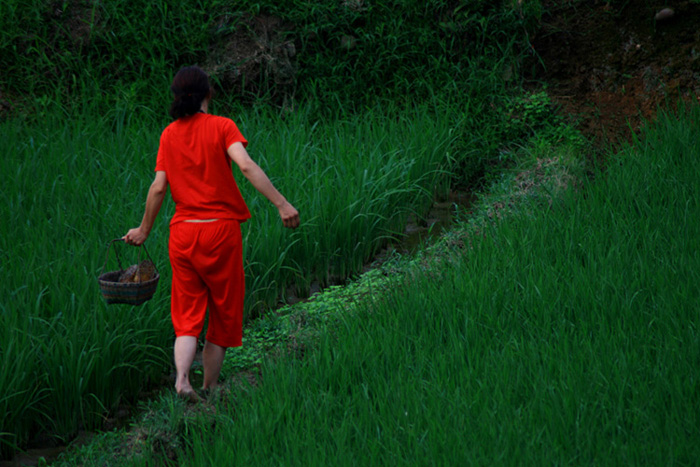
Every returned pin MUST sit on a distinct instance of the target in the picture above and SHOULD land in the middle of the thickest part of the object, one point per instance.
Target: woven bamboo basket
(129, 293)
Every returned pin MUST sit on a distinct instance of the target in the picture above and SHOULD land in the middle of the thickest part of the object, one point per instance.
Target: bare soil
(611, 65)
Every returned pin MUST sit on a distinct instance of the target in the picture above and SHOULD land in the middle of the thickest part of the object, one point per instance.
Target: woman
(205, 248)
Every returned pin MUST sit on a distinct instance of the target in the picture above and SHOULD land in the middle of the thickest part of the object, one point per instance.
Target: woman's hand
(289, 215)
(135, 236)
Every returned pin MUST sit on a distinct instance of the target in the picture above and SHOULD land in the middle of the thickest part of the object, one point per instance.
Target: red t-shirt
(193, 155)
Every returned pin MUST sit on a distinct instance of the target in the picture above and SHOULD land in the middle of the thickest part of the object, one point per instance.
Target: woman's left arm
(261, 182)
(156, 194)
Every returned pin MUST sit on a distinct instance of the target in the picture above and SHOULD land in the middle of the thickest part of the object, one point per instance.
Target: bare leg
(212, 359)
(185, 350)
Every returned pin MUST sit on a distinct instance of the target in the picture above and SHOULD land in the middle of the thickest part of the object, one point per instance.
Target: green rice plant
(567, 336)
(22, 396)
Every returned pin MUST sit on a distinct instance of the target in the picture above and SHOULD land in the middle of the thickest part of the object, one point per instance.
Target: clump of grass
(75, 358)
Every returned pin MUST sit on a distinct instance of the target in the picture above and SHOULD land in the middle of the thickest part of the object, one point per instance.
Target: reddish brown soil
(611, 65)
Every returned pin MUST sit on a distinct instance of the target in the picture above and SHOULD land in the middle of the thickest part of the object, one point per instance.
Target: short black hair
(190, 87)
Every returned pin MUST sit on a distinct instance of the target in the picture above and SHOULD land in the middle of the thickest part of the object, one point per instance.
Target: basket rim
(102, 281)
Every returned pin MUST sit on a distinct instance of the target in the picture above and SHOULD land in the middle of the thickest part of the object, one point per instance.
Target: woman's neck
(205, 106)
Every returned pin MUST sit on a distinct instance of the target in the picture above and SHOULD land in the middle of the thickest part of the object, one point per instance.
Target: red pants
(207, 264)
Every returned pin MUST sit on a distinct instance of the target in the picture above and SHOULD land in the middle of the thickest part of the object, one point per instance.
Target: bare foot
(189, 396)
(186, 392)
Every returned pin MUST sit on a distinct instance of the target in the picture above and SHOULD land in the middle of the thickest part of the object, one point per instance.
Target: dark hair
(190, 87)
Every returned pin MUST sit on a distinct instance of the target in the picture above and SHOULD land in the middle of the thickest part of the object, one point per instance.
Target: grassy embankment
(79, 140)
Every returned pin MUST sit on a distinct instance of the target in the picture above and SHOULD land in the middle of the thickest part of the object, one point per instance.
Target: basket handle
(116, 252)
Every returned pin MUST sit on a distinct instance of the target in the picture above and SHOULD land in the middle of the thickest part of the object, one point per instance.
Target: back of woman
(193, 154)
(205, 245)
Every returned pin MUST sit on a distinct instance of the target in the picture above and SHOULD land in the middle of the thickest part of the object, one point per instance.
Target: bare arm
(261, 182)
(156, 194)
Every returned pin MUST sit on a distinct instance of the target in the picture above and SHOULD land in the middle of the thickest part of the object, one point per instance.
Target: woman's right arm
(257, 177)
(154, 200)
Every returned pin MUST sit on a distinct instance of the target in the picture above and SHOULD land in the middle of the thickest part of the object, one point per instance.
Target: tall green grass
(70, 47)
(569, 336)
(355, 182)
(68, 359)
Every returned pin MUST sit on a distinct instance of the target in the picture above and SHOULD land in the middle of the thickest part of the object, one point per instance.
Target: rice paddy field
(559, 328)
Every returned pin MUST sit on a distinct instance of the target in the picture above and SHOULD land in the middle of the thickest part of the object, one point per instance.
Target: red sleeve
(233, 135)
(160, 158)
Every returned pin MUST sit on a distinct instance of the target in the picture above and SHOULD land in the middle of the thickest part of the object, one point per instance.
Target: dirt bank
(613, 64)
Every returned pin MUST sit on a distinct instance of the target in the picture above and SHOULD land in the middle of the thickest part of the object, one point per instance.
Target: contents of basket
(142, 272)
